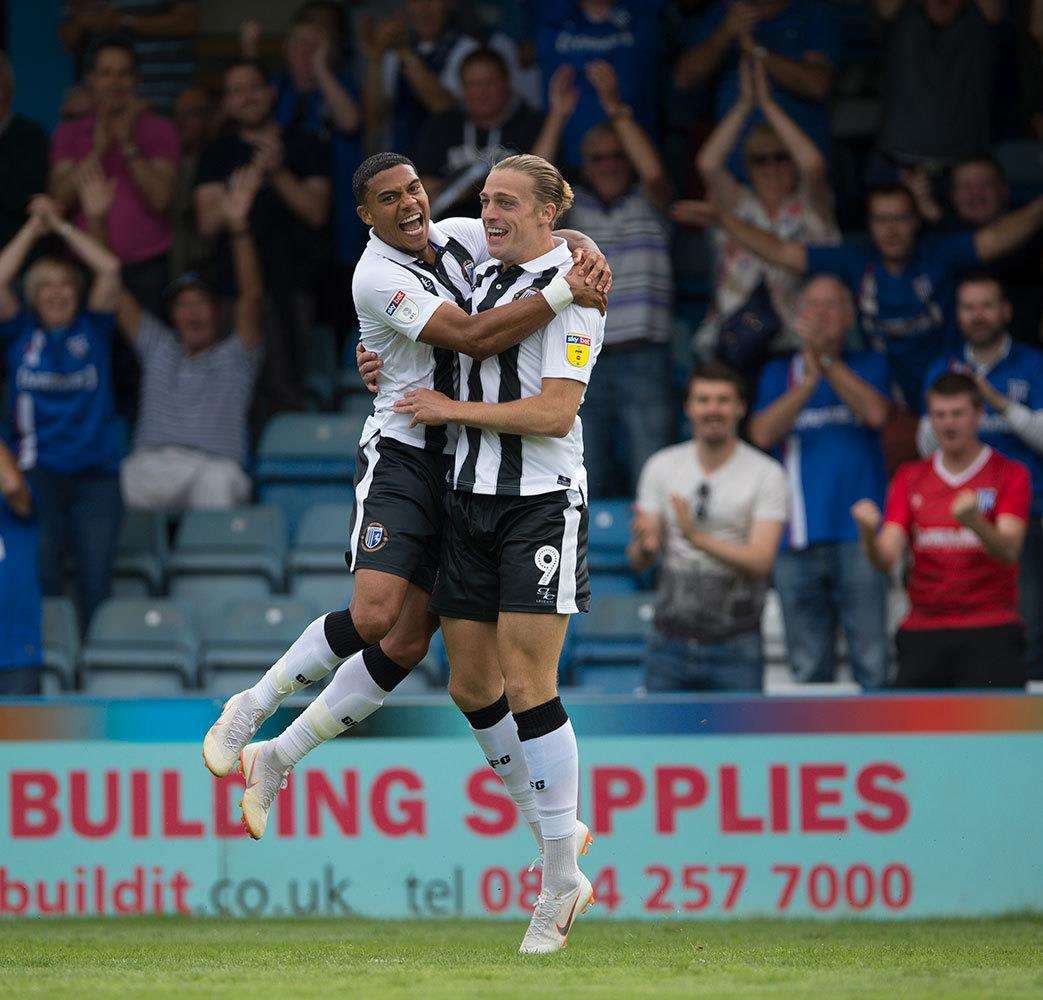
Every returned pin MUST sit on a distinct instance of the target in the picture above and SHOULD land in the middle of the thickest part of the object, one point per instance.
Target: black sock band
(386, 673)
(342, 635)
(483, 718)
(541, 720)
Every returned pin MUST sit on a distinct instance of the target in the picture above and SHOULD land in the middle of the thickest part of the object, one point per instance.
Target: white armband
(558, 294)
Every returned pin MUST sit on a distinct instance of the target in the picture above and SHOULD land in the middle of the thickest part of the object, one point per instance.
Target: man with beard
(1009, 376)
(712, 510)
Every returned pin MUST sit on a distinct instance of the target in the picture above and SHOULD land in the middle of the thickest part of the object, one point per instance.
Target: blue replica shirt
(1018, 374)
(831, 459)
(629, 40)
(311, 112)
(60, 389)
(802, 27)
(907, 315)
(20, 643)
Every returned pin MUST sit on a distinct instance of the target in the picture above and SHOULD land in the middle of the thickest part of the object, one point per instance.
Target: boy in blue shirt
(820, 413)
(21, 650)
(1010, 377)
(903, 281)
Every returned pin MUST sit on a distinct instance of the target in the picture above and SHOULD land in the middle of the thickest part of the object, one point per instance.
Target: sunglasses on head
(763, 159)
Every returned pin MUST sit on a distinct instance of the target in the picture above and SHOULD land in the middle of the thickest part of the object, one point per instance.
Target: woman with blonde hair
(66, 437)
(788, 193)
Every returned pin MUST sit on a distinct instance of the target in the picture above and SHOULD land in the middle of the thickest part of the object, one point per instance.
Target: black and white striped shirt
(567, 347)
(395, 295)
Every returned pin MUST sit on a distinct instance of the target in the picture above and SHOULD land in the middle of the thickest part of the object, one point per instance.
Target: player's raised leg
(355, 692)
(326, 643)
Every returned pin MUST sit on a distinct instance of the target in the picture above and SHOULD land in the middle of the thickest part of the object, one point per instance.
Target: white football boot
(239, 721)
(553, 917)
(265, 774)
(584, 842)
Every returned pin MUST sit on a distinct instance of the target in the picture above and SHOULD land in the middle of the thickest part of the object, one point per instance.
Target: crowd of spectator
(806, 200)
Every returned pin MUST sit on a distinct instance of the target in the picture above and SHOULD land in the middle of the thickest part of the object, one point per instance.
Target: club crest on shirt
(577, 350)
(1017, 390)
(402, 306)
(376, 537)
(78, 346)
(986, 498)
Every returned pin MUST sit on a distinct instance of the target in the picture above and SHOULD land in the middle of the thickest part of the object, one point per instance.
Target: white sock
(308, 659)
(503, 751)
(350, 697)
(553, 761)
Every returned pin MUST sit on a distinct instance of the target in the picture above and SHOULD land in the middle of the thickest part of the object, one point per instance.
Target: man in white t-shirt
(711, 512)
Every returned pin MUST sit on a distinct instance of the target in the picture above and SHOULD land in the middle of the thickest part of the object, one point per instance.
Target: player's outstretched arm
(550, 414)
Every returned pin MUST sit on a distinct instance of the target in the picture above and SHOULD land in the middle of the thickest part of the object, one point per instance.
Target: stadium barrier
(884, 806)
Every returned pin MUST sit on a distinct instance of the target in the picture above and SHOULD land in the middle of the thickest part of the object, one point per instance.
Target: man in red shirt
(963, 512)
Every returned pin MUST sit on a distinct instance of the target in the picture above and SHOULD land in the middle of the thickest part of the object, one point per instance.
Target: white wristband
(558, 294)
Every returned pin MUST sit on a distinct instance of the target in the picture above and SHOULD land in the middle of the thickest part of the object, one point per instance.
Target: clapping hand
(562, 93)
(268, 155)
(45, 211)
(603, 79)
(96, 191)
(238, 199)
(965, 507)
(646, 530)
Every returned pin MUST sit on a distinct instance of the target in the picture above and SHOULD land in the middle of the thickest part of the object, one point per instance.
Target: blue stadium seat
(243, 541)
(307, 458)
(622, 678)
(614, 631)
(201, 592)
(609, 533)
(603, 584)
(325, 591)
(321, 538)
(147, 636)
(61, 640)
(252, 635)
(141, 551)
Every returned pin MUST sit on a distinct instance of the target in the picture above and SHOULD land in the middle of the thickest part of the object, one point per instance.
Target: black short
(991, 657)
(508, 553)
(396, 526)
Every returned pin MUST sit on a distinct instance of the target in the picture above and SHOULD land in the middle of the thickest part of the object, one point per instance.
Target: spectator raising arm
(346, 113)
(238, 200)
(1002, 540)
(774, 422)
(701, 61)
(883, 546)
(1009, 232)
(95, 193)
(13, 487)
(811, 164)
(712, 160)
(811, 77)
(562, 98)
(785, 253)
(12, 257)
(639, 148)
(103, 262)
(155, 178)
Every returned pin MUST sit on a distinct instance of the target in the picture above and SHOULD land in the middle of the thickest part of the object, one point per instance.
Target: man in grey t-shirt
(711, 512)
(190, 440)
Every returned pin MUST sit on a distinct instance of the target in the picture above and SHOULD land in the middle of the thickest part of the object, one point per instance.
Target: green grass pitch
(157, 957)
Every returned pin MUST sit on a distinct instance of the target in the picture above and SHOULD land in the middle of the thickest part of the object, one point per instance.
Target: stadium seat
(305, 459)
(320, 539)
(325, 591)
(614, 632)
(141, 551)
(609, 533)
(252, 635)
(61, 640)
(149, 636)
(622, 678)
(602, 584)
(243, 541)
(202, 592)
(320, 366)
(357, 405)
